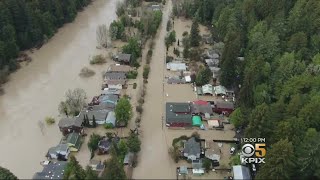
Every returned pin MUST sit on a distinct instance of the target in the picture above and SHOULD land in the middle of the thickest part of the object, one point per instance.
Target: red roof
(200, 102)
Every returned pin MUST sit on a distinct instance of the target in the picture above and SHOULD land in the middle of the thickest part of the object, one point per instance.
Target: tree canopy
(279, 80)
(6, 174)
(123, 111)
(26, 24)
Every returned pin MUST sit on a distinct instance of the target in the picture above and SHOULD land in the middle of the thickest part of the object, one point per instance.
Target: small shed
(196, 121)
(213, 123)
(183, 170)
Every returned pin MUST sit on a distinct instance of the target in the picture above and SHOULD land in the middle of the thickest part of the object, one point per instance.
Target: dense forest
(25, 24)
(279, 80)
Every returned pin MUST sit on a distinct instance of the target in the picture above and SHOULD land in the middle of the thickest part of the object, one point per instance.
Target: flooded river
(35, 91)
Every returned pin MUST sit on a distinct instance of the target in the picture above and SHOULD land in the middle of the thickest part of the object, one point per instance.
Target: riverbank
(35, 91)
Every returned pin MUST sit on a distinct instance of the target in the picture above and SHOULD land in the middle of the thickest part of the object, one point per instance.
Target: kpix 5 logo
(253, 154)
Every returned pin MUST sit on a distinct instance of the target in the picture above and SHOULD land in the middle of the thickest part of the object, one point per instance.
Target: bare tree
(102, 35)
(75, 101)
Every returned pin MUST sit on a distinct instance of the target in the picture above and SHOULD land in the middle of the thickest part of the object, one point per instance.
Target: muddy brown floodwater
(35, 91)
(154, 161)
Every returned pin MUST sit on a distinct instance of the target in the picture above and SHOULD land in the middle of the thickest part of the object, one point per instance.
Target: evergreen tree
(94, 123)
(280, 160)
(74, 170)
(194, 34)
(114, 170)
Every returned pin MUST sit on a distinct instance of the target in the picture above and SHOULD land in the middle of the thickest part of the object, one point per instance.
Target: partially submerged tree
(6, 174)
(134, 143)
(114, 170)
(74, 170)
(102, 35)
(74, 103)
(123, 111)
(203, 77)
(93, 141)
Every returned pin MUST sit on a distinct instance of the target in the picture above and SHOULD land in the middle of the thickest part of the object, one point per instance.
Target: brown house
(69, 125)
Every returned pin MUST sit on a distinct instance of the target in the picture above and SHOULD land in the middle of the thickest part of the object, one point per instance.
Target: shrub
(86, 72)
(146, 71)
(164, 2)
(134, 85)
(98, 59)
(108, 125)
(176, 52)
(139, 109)
(50, 120)
(141, 100)
(138, 119)
(151, 45)
(150, 52)
(174, 153)
(132, 74)
(185, 33)
(196, 135)
(169, 25)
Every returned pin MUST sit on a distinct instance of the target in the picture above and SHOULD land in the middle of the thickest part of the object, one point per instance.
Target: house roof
(68, 122)
(183, 170)
(212, 62)
(115, 75)
(175, 80)
(54, 170)
(101, 106)
(119, 68)
(73, 138)
(124, 57)
(99, 115)
(109, 98)
(197, 164)
(212, 54)
(198, 108)
(178, 113)
(241, 172)
(111, 91)
(220, 90)
(187, 78)
(176, 66)
(115, 81)
(224, 104)
(200, 102)
(104, 144)
(192, 147)
(207, 89)
(111, 118)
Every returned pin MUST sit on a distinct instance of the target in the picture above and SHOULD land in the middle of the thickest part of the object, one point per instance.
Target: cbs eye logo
(248, 150)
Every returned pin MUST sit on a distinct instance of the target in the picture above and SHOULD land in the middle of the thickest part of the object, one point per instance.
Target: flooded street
(35, 91)
(154, 161)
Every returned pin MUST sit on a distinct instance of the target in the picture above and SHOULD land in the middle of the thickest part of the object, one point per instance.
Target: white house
(115, 84)
(176, 66)
(60, 152)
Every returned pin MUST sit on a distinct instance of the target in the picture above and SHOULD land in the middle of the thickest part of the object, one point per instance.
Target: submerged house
(176, 66)
(201, 107)
(192, 149)
(104, 145)
(119, 68)
(60, 152)
(178, 115)
(223, 107)
(123, 58)
(69, 125)
(51, 170)
(99, 115)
